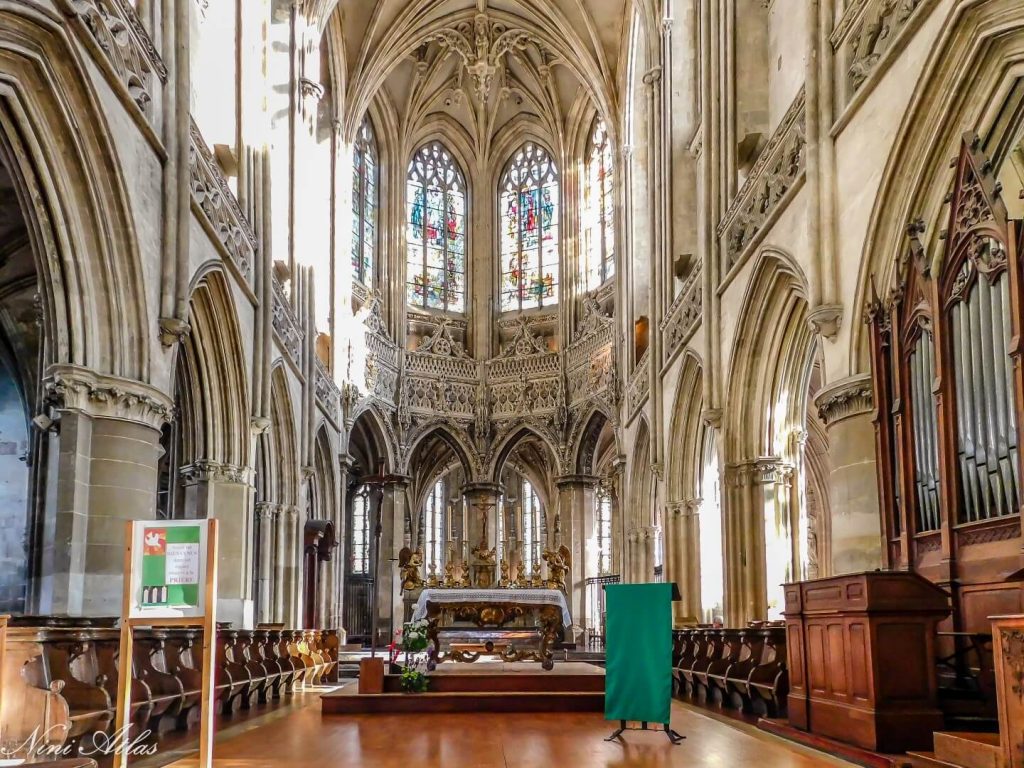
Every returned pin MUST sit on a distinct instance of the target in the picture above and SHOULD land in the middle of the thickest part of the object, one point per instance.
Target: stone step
(969, 750)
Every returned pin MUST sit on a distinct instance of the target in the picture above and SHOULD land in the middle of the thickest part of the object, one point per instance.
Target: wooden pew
(232, 678)
(259, 681)
(708, 652)
(727, 654)
(769, 681)
(166, 691)
(182, 652)
(733, 681)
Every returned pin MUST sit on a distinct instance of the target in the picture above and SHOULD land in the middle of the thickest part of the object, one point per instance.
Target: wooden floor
(300, 737)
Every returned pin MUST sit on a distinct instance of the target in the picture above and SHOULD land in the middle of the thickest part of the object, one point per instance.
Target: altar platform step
(482, 687)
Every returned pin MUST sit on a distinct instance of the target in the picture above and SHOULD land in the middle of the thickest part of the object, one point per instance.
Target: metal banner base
(674, 737)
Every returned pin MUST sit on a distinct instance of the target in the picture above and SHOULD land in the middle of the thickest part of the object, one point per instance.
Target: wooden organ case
(949, 395)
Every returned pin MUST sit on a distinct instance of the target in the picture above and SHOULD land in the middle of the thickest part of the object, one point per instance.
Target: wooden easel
(208, 623)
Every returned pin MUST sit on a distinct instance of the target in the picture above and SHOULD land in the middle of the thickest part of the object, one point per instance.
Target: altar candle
(451, 530)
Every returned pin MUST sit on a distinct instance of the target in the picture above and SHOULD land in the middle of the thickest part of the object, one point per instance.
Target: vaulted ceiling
(484, 68)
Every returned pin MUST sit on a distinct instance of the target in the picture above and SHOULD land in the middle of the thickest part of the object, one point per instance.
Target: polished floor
(302, 737)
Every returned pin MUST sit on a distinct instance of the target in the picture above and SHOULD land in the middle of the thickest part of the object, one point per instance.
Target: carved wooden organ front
(945, 348)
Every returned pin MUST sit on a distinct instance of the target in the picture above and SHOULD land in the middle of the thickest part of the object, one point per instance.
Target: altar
(507, 597)
(443, 609)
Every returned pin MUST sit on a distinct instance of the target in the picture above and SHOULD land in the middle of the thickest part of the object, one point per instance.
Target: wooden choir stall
(862, 658)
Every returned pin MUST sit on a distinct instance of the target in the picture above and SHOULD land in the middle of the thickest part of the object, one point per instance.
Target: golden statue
(450, 579)
(410, 563)
(432, 580)
(535, 578)
(504, 581)
(558, 561)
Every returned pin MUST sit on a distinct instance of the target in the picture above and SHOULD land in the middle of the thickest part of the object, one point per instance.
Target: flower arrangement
(414, 636)
(412, 639)
(414, 681)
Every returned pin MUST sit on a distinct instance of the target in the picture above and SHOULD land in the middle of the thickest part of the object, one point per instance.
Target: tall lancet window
(529, 207)
(436, 259)
(599, 209)
(434, 519)
(359, 562)
(532, 534)
(365, 176)
(604, 532)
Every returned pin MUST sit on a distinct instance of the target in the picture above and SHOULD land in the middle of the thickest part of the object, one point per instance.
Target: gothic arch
(767, 382)
(282, 439)
(517, 434)
(640, 512)
(215, 423)
(686, 430)
(977, 52)
(55, 143)
(453, 438)
(368, 443)
(584, 450)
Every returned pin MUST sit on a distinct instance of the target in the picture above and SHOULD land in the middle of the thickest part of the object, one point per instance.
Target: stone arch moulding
(978, 51)
(215, 353)
(585, 442)
(452, 436)
(514, 435)
(371, 438)
(54, 140)
(285, 461)
(686, 430)
(762, 368)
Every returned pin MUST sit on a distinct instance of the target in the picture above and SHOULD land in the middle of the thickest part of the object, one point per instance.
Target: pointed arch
(54, 142)
(213, 379)
(686, 431)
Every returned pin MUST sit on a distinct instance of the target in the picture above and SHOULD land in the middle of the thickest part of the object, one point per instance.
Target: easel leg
(618, 731)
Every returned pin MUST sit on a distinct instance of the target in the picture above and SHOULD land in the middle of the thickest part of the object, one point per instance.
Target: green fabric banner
(638, 652)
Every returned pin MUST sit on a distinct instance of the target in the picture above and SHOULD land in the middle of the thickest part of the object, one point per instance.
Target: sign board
(170, 579)
(168, 569)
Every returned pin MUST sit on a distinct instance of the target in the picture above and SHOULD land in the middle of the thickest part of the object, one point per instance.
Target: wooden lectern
(861, 653)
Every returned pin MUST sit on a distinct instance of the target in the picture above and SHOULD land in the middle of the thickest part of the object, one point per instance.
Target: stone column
(743, 533)
(682, 559)
(266, 517)
(104, 445)
(280, 564)
(847, 409)
(341, 531)
(224, 492)
(579, 533)
(292, 577)
(390, 608)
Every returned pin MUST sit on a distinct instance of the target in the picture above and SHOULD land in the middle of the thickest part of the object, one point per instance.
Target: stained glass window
(434, 523)
(599, 209)
(364, 204)
(360, 552)
(604, 532)
(529, 208)
(436, 260)
(532, 534)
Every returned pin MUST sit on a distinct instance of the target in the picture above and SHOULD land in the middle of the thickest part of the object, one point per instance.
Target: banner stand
(638, 664)
(135, 614)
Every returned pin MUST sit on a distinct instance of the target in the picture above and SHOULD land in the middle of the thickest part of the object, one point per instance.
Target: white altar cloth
(527, 596)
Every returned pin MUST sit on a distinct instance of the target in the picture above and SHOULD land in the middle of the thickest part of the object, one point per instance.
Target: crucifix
(485, 507)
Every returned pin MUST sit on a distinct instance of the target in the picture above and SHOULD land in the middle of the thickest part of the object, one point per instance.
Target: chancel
(479, 325)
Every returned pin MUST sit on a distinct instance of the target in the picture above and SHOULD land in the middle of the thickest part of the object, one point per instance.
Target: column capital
(208, 471)
(583, 481)
(846, 398)
(267, 510)
(484, 488)
(76, 388)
